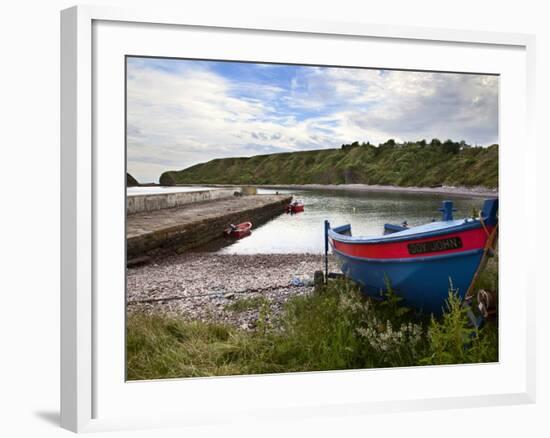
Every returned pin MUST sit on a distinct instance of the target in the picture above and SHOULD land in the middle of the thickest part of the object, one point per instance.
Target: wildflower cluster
(383, 338)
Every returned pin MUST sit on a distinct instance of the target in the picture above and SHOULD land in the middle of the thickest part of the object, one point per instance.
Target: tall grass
(454, 340)
(333, 330)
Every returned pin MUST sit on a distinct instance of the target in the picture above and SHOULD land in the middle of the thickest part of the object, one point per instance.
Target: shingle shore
(200, 286)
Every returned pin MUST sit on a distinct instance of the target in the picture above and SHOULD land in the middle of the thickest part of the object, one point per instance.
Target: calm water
(367, 212)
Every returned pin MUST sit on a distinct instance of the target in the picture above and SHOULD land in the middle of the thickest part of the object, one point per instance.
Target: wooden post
(327, 227)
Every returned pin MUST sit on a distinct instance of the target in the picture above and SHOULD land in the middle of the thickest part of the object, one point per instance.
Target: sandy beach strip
(481, 192)
(202, 286)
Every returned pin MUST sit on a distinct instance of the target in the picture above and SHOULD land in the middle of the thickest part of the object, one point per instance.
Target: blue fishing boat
(419, 262)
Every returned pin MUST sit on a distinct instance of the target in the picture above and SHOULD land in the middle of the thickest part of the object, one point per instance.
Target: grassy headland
(419, 164)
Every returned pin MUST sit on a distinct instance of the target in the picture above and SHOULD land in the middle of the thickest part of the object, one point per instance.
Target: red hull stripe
(470, 239)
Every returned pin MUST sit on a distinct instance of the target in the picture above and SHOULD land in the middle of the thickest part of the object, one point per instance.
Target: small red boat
(295, 207)
(238, 231)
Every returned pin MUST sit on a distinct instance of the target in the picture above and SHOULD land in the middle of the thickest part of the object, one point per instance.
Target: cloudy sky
(183, 112)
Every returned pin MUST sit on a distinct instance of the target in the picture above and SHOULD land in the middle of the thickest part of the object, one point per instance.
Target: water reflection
(365, 211)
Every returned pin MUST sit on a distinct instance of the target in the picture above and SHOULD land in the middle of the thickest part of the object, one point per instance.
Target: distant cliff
(131, 181)
(410, 164)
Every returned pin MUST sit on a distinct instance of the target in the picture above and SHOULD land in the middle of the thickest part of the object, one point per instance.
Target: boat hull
(422, 282)
(421, 264)
(295, 208)
(241, 230)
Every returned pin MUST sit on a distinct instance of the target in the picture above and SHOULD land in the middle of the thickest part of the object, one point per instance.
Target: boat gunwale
(392, 238)
(420, 259)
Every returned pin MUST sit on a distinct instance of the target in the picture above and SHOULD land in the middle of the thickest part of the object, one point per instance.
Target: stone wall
(190, 235)
(160, 201)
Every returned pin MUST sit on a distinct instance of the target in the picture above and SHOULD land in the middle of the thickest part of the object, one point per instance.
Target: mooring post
(447, 211)
(327, 227)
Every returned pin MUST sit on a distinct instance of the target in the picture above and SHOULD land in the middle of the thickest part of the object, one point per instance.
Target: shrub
(454, 339)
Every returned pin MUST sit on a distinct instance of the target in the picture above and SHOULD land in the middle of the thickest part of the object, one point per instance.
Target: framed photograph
(290, 218)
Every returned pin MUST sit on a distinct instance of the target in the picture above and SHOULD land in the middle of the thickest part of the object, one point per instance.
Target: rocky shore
(224, 288)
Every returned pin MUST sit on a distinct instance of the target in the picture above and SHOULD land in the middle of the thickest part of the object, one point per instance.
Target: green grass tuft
(333, 330)
(244, 304)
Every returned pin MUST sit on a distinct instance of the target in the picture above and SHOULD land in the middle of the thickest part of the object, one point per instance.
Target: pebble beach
(204, 286)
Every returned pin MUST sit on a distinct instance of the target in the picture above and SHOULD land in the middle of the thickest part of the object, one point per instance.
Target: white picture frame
(86, 315)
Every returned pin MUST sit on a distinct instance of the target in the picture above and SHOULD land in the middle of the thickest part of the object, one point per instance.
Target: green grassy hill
(408, 164)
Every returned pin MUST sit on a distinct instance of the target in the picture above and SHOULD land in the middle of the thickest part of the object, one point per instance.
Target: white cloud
(409, 105)
(182, 117)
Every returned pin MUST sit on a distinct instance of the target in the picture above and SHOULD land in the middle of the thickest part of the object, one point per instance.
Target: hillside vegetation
(410, 164)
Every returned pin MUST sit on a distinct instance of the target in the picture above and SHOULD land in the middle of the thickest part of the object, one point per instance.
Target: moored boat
(295, 207)
(238, 231)
(420, 263)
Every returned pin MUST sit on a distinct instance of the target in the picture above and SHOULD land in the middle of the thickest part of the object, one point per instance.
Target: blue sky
(183, 112)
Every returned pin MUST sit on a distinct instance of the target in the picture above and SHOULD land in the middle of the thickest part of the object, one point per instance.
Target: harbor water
(367, 212)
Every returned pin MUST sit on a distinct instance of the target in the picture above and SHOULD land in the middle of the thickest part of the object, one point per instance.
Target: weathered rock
(131, 181)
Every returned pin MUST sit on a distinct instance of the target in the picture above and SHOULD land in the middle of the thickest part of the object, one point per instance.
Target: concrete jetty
(184, 228)
(138, 203)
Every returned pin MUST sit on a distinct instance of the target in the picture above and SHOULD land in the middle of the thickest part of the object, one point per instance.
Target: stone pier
(139, 203)
(190, 226)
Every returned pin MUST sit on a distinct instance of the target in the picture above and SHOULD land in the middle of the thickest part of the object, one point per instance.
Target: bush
(453, 339)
